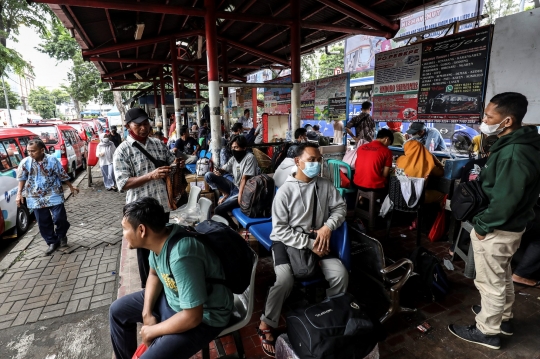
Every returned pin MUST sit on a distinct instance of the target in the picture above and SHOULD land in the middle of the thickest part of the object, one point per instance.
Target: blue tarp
(113, 112)
(90, 113)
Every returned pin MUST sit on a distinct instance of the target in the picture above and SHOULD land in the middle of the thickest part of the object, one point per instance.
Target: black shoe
(507, 328)
(52, 247)
(63, 242)
(471, 334)
(109, 189)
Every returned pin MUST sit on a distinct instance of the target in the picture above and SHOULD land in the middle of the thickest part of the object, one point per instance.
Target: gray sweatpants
(333, 270)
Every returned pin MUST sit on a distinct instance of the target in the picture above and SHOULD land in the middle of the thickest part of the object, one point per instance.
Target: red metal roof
(256, 32)
(15, 132)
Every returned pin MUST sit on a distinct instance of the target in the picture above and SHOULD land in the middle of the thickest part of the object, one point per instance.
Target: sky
(46, 70)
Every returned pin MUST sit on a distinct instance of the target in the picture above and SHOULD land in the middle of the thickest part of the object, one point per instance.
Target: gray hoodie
(283, 171)
(292, 210)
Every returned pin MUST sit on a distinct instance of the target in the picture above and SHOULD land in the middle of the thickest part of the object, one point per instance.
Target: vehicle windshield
(76, 126)
(49, 135)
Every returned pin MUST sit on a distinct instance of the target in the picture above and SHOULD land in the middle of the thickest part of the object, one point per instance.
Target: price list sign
(453, 77)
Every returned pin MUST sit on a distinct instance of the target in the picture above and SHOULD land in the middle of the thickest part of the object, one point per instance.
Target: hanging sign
(397, 76)
(453, 77)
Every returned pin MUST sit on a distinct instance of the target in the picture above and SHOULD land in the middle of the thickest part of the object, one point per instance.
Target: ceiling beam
(255, 52)
(135, 43)
(129, 71)
(274, 13)
(252, 18)
(243, 8)
(371, 14)
(342, 9)
(345, 29)
(128, 5)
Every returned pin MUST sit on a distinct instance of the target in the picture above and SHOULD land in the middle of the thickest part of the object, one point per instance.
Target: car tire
(23, 220)
(73, 173)
(84, 164)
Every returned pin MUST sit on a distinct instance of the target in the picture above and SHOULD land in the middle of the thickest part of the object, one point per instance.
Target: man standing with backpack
(510, 181)
(181, 310)
(232, 177)
(306, 209)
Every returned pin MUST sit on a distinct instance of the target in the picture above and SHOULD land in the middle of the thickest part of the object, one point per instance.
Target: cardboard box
(196, 181)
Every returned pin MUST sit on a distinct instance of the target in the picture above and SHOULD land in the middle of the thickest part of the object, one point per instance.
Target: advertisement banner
(337, 109)
(278, 100)
(260, 77)
(439, 15)
(395, 92)
(327, 88)
(307, 99)
(360, 51)
(452, 80)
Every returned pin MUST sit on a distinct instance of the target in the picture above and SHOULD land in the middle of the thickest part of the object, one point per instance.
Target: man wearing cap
(115, 137)
(425, 135)
(137, 174)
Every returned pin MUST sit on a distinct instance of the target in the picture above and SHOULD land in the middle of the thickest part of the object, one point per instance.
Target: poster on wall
(337, 109)
(307, 99)
(327, 88)
(395, 92)
(247, 98)
(453, 77)
(278, 100)
(360, 51)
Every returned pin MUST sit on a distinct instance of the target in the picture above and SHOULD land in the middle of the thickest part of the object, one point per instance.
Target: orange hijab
(418, 161)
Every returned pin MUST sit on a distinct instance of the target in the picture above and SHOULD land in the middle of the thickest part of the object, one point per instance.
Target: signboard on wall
(307, 99)
(337, 109)
(395, 92)
(452, 80)
(278, 100)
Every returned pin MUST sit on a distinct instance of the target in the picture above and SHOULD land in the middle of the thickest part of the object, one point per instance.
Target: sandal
(262, 334)
(536, 285)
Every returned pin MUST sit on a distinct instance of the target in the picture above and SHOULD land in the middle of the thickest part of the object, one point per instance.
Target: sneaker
(507, 328)
(471, 334)
(63, 242)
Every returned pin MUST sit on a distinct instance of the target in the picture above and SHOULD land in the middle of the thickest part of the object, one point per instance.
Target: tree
(58, 43)
(499, 8)
(308, 66)
(60, 96)
(13, 14)
(327, 63)
(42, 101)
(13, 97)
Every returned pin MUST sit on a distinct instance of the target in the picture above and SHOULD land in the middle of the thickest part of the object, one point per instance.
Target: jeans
(49, 217)
(225, 185)
(530, 262)
(126, 312)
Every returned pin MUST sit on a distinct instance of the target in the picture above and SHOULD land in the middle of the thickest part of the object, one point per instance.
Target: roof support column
(254, 105)
(225, 76)
(156, 111)
(213, 78)
(177, 113)
(163, 107)
(295, 66)
(197, 95)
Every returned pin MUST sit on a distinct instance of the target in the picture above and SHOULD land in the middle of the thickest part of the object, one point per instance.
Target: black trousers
(144, 262)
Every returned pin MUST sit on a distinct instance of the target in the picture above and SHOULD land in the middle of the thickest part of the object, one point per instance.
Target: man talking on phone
(232, 177)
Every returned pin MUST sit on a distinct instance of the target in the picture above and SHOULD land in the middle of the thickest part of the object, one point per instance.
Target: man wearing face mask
(292, 220)
(510, 181)
(135, 173)
(425, 135)
(232, 177)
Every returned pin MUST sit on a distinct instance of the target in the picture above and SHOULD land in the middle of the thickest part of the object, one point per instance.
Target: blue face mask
(312, 169)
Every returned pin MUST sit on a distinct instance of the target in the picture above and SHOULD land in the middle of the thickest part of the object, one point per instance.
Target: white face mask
(105, 139)
(491, 130)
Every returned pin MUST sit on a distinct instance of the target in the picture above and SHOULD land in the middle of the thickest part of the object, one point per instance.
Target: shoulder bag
(468, 200)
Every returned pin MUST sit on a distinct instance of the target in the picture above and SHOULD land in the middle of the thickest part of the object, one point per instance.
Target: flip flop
(262, 334)
(536, 285)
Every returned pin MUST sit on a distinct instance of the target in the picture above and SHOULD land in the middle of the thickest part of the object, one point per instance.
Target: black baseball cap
(415, 128)
(137, 115)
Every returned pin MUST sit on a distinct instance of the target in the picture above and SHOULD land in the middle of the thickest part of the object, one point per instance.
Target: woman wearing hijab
(420, 163)
(105, 151)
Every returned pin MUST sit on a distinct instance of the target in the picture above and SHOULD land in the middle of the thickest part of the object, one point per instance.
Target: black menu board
(337, 109)
(453, 77)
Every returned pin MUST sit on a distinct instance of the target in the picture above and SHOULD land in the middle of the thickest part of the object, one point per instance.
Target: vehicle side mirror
(51, 150)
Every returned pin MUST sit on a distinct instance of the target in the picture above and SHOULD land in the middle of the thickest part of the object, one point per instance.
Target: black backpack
(468, 200)
(280, 153)
(257, 197)
(233, 251)
(433, 284)
(336, 328)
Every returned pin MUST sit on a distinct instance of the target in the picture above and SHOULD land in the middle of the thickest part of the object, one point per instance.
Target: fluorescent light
(139, 31)
(139, 77)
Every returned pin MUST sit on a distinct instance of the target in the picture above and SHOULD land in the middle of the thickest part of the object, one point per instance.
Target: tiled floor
(403, 339)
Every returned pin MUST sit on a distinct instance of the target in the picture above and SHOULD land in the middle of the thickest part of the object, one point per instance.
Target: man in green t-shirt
(180, 312)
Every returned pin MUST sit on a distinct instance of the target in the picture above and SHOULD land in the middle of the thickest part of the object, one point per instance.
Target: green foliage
(58, 43)
(308, 67)
(60, 96)
(327, 63)
(14, 14)
(499, 8)
(42, 101)
(13, 97)
(84, 80)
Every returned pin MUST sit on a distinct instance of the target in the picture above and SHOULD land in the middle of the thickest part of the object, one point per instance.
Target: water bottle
(432, 145)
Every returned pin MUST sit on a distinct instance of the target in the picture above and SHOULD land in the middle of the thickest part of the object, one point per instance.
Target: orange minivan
(69, 148)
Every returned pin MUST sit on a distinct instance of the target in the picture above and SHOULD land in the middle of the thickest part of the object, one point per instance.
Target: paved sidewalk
(73, 285)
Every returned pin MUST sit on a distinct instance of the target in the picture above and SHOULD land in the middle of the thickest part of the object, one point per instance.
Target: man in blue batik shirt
(40, 181)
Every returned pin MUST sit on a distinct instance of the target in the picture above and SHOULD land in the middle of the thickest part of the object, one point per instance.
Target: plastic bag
(437, 230)
(139, 352)
(186, 216)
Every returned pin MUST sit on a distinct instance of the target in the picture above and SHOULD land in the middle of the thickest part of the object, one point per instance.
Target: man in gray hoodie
(292, 221)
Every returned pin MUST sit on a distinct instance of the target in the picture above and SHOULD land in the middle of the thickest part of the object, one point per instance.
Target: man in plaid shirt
(363, 124)
(135, 173)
